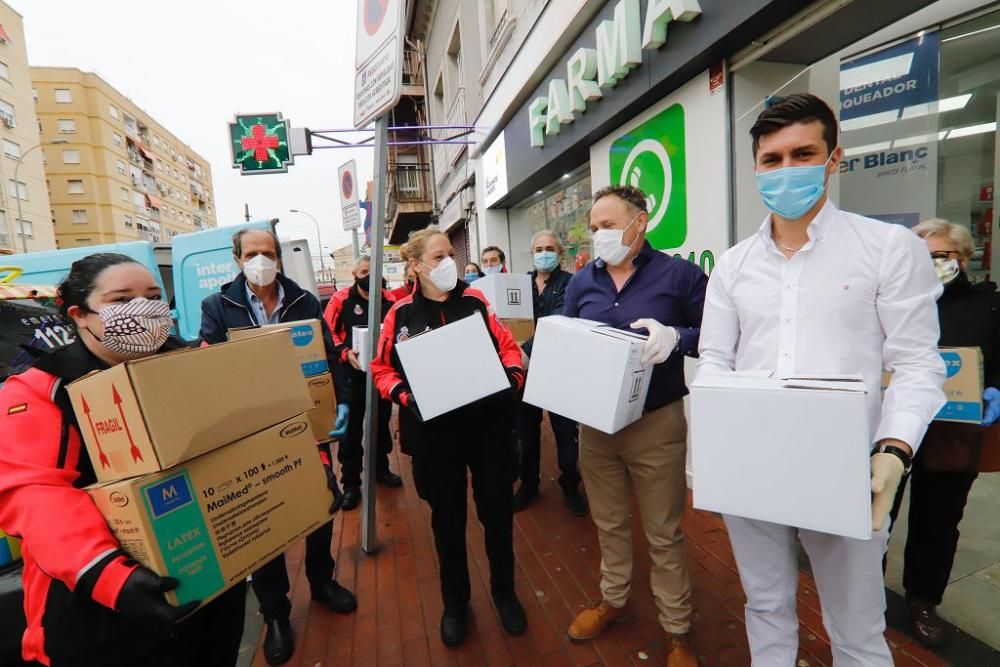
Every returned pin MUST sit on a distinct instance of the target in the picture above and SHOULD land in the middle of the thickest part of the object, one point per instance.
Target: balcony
(410, 201)
(413, 73)
(446, 155)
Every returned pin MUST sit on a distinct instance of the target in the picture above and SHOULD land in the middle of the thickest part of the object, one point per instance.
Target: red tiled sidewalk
(399, 605)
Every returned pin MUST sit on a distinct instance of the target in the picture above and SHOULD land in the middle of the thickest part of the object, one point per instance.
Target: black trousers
(270, 582)
(937, 502)
(350, 453)
(530, 439)
(440, 479)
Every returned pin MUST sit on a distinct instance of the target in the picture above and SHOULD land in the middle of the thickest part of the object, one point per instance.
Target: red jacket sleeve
(59, 525)
(332, 316)
(386, 376)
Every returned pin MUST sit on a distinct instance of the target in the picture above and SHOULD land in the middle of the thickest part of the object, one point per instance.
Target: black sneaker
(352, 498)
(511, 612)
(525, 495)
(336, 597)
(389, 479)
(453, 626)
(576, 502)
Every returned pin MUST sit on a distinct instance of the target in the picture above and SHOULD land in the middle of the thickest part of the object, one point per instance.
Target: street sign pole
(356, 243)
(368, 529)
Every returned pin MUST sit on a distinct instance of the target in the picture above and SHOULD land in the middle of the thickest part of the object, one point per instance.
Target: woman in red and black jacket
(474, 437)
(86, 602)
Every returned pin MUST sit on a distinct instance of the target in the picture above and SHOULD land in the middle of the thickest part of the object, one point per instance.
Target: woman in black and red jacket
(86, 602)
(474, 437)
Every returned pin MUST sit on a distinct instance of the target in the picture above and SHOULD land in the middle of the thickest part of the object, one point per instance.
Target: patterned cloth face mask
(135, 329)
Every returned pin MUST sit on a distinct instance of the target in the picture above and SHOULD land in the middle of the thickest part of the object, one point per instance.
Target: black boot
(576, 503)
(925, 623)
(279, 642)
(389, 479)
(453, 626)
(511, 614)
(352, 498)
(336, 597)
(525, 495)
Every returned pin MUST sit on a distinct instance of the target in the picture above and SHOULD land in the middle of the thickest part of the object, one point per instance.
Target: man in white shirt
(820, 290)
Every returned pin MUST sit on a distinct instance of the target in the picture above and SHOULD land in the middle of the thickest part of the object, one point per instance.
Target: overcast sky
(192, 64)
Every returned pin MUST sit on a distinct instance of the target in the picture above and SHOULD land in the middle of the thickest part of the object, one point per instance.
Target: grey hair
(547, 232)
(957, 234)
(238, 241)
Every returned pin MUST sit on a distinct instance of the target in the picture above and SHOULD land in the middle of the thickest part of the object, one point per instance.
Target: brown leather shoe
(594, 620)
(680, 651)
(925, 623)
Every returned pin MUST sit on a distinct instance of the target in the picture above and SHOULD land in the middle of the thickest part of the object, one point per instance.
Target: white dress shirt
(859, 297)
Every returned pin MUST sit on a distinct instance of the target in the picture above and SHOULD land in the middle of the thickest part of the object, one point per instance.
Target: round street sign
(347, 186)
(375, 11)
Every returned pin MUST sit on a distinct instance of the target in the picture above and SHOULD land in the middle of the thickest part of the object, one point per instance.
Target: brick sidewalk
(399, 604)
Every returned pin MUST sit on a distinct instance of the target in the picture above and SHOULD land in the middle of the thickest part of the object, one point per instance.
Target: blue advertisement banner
(900, 76)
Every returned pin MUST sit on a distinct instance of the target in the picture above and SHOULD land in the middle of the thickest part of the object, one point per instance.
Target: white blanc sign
(495, 170)
(378, 59)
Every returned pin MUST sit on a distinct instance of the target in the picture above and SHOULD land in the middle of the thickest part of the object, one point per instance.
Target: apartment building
(115, 174)
(22, 176)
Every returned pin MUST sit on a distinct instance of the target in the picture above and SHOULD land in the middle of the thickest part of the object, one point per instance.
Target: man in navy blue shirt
(632, 286)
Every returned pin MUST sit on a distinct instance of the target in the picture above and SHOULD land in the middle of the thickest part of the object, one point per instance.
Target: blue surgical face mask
(492, 270)
(546, 261)
(793, 191)
(469, 277)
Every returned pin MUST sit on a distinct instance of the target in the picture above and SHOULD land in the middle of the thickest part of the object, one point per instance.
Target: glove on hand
(141, 600)
(991, 407)
(516, 377)
(340, 425)
(660, 343)
(402, 396)
(887, 471)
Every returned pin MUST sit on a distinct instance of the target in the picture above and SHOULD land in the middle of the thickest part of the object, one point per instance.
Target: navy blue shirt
(664, 288)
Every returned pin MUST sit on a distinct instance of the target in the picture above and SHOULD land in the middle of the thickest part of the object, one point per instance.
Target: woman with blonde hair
(473, 438)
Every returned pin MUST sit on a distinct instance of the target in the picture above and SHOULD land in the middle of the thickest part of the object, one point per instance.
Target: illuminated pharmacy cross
(259, 142)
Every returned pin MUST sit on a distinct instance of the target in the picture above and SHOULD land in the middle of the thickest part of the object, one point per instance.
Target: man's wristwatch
(898, 453)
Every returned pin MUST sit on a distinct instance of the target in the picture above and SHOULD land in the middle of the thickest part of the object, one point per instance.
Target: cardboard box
(10, 549)
(790, 451)
(509, 294)
(150, 414)
(465, 344)
(324, 410)
(361, 343)
(307, 335)
(963, 385)
(607, 392)
(522, 330)
(217, 518)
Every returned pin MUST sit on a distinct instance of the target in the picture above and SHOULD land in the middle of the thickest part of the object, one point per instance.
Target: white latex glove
(661, 341)
(887, 471)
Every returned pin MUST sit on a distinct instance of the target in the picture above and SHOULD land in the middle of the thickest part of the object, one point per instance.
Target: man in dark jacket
(548, 285)
(348, 308)
(261, 295)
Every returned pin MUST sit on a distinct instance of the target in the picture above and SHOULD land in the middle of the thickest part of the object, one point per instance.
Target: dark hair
(238, 241)
(79, 283)
(627, 193)
(479, 270)
(780, 112)
(497, 250)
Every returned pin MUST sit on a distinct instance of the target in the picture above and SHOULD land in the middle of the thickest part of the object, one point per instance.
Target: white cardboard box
(430, 358)
(509, 294)
(588, 372)
(792, 451)
(361, 343)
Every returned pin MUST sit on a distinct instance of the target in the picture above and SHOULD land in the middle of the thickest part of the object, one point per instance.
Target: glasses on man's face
(945, 254)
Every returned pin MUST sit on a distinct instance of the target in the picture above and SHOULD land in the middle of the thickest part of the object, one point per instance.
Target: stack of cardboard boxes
(206, 463)
(512, 301)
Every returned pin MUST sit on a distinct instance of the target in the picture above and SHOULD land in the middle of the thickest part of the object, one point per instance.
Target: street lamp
(319, 239)
(17, 188)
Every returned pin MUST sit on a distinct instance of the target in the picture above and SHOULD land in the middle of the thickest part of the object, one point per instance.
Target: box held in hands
(509, 294)
(307, 337)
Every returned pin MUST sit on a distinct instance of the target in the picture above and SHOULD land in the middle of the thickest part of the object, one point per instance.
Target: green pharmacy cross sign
(260, 144)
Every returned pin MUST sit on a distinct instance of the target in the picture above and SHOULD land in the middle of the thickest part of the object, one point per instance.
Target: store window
(918, 126)
(563, 207)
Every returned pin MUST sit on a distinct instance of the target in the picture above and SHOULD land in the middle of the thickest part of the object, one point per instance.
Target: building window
(67, 126)
(118, 140)
(4, 71)
(79, 216)
(74, 186)
(19, 190)
(128, 221)
(25, 229)
(113, 110)
(64, 96)
(71, 156)
(7, 113)
(497, 17)
(11, 150)
(121, 168)
(125, 194)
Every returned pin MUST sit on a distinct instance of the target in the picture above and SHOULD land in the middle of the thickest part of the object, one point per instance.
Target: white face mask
(608, 244)
(947, 269)
(444, 275)
(135, 329)
(260, 270)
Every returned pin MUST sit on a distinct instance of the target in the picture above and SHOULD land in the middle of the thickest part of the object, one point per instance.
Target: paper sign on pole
(378, 59)
(347, 179)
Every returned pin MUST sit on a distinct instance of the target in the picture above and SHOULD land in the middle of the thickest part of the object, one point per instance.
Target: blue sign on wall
(900, 76)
